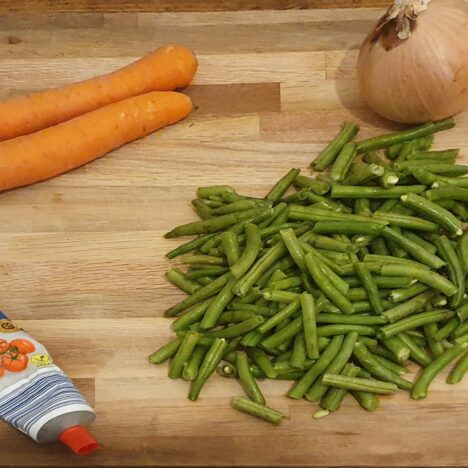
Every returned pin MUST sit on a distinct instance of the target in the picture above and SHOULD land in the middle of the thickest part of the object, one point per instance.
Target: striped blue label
(48, 391)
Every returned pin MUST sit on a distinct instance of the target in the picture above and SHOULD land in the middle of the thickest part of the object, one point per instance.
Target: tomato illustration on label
(41, 360)
(23, 346)
(2, 372)
(4, 345)
(14, 361)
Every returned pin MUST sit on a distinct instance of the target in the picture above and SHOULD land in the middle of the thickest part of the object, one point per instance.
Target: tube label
(33, 390)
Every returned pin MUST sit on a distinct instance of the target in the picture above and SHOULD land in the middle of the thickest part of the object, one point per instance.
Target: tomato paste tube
(36, 397)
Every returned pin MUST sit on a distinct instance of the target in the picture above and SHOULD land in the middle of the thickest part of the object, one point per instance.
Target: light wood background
(81, 256)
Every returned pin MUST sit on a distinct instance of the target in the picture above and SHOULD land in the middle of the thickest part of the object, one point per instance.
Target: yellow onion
(413, 66)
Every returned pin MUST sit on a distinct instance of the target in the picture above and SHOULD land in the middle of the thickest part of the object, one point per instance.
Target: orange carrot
(166, 69)
(66, 146)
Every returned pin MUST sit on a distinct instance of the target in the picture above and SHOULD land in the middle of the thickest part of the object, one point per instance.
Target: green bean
(309, 323)
(251, 339)
(208, 366)
(361, 173)
(237, 329)
(190, 370)
(189, 246)
(234, 316)
(279, 337)
(183, 354)
(210, 271)
(420, 241)
(247, 406)
(202, 209)
(440, 181)
(263, 362)
(392, 152)
(461, 330)
(230, 243)
(317, 186)
(177, 278)
(341, 329)
(318, 389)
(284, 297)
(393, 366)
(329, 154)
(385, 141)
(345, 191)
(386, 282)
(299, 351)
(217, 305)
(439, 155)
(214, 190)
(343, 161)
(359, 384)
(360, 294)
(227, 370)
(456, 273)
(238, 205)
(462, 312)
(384, 259)
(191, 316)
(302, 386)
(282, 185)
(411, 247)
(436, 347)
(250, 253)
(342, 319)
(407, 222)
(459, 209)
(328, 243)
(460, 369)
(447, 329)
(333, 398)
(461, 339)
(365, 358)
(397, 347)
(430, 278)
(165, 352)
(202, 260)
(326, 287)
(204, 293)
(254, 309)
(451, 193)
(286, 283)
(326, 262)
(276, 211)
(293, 246)
(244, 284)
(402, 295)
(315, 214)
(409, 307)
(283, 314)
(434, 212)
(347, 227)
(414, 321)
(422, 383)
(379, 247)
(368, 401)
(370, 286)
(365, 306)
(417, 353)
(247, 380)
(218, 223)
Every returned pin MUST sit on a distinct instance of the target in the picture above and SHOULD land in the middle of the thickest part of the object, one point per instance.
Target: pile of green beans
(336, 283)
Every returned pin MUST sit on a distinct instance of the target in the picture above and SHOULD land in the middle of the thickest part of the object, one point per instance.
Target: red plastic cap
(79, 440)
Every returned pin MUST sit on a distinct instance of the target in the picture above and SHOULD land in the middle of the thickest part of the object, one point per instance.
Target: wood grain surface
(81, 256)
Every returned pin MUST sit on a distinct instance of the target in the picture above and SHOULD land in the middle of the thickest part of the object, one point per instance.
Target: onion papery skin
(424, 77)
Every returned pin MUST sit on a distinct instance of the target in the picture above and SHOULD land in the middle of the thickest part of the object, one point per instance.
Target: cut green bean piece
(417, 353)
(310, 326)
(282, 185)
(165, 352)
(343, 162)
(429, 373)
(183, 354)
(247, 380)
(460, 369)
(333, 398)
(247, 406)
(329, 154)
(344, 191)
(359, 384)
(409, 307)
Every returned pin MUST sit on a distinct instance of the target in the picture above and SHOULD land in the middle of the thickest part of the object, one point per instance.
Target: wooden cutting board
(81, 256)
